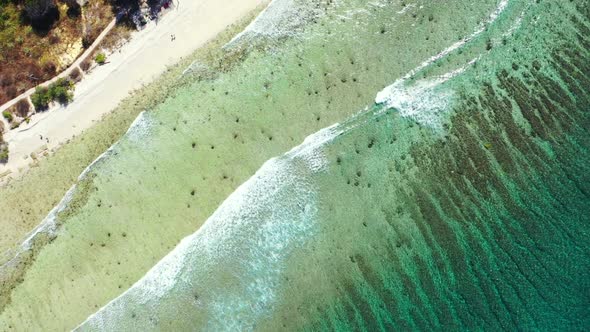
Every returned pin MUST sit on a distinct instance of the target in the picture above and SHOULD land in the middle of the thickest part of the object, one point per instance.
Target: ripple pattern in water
(387, 222)
(234, 109)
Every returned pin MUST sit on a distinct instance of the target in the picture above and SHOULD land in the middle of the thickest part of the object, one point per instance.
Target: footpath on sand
(149, 52)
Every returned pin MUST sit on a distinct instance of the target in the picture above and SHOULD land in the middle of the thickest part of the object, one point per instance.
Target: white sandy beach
(138, 62)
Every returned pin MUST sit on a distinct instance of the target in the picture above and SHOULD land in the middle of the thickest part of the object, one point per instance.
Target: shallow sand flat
(199, 145)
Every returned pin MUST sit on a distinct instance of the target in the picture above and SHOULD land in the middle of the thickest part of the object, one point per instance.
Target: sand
(137, 63)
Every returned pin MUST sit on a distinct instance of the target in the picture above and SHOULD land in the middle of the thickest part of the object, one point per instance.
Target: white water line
(266, 184)
(497, 12)
(417, 100)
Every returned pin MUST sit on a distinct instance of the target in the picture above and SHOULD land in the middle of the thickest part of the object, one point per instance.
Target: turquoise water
(445, 187)
(459, 201)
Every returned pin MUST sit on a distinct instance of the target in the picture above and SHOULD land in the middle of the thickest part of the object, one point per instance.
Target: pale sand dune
(138, 62)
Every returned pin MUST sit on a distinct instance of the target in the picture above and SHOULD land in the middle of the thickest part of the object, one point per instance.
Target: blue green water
(459, 201)
(448, 188)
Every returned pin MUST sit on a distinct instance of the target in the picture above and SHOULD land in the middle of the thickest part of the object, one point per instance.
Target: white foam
(424, 100)
(252, 233)
(406, 8)
(276, 20)
(48, 225)
(517, 23)
(310, 151)
(281, 18)
(139, 129)
(196, 67)
(136, 132)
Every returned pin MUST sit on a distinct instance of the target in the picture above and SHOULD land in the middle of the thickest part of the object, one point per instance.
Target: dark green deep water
(479, 222)
(486, 227)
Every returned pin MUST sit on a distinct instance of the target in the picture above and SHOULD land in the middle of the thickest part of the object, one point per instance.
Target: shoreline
(148, 54)
(200, 150)
(22, 242)
(28, 199)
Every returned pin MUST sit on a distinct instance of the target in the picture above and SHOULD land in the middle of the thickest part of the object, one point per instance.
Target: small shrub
(49, 68)
(85, 65)
(11, 92)
(22, 108)
(6, 80)
(7, 115)
(60, 91)
(40, 98)
(86, 41)
(75, 75)
(100, 58)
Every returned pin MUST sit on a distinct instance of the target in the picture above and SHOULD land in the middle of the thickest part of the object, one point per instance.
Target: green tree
(40, 12)
(40, 98)
(60, 91)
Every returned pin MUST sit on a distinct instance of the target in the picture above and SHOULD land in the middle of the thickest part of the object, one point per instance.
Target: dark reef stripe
(500, 207)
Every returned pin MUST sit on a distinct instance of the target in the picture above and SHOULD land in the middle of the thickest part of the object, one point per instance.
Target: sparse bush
(85, 65)
(49, 68)
(40, 98)
(3, 151)
(34, 72)
(86, 41)
(22, 108)
(15, 124)
(100, 58)
(75, 75)
(60, 91)
(7, 115)
(6, 80)
(10, 92)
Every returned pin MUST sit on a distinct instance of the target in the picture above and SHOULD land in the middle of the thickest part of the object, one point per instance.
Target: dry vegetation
(40, 38)
(33, 53)
(116, 38)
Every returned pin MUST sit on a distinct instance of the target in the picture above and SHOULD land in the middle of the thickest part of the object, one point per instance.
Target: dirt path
(138, 62)
(67, 71)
